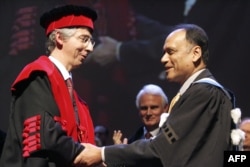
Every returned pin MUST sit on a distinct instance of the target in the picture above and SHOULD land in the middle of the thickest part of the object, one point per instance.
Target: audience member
(48, 119)
(197, 131)
(151, 102)
(245, 127)
(102, 133)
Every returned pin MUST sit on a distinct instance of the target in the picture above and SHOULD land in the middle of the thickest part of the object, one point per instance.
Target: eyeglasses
(144, 108)
(87, 39)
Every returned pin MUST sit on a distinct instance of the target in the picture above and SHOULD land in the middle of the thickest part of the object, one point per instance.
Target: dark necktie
(148, 135)
(70, 88)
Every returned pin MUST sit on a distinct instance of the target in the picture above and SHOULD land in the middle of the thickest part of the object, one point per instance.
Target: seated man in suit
(151, 102)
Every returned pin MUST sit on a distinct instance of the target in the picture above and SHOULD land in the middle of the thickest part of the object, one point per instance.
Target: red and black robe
(43, 130)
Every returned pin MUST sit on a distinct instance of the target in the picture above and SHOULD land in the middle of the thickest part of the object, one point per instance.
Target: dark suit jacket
(196, 133)
(139, 134)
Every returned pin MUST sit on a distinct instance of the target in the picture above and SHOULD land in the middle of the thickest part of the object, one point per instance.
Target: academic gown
(43, 131)
(196, 133)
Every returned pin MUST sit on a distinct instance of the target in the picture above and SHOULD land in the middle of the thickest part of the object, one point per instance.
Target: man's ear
(59, 38)
(166, 108)
(196, 53)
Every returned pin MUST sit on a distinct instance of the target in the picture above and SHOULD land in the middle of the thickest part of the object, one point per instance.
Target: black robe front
(196, 133)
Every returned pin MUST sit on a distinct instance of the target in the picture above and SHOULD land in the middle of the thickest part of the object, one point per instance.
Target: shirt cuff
(102, 153)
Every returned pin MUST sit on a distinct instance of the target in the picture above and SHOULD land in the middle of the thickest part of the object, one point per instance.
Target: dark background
(110, 91)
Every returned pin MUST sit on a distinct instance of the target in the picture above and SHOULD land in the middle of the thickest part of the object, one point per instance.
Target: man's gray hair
(153, 90)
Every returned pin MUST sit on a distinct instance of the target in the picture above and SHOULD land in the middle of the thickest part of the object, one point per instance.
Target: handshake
(90, 156)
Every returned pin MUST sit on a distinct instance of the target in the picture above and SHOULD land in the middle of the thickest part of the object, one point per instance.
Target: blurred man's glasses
(87, 39)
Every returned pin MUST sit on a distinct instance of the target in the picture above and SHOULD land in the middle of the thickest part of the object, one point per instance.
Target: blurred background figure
(102, 135)
(151, 102)
(245, 127)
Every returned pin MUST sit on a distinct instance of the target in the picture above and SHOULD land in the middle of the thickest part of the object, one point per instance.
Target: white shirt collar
(61, 68)
(189, 81)
(153, 132)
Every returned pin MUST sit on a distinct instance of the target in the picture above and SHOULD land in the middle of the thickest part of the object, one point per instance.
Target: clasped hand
(89, 157)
